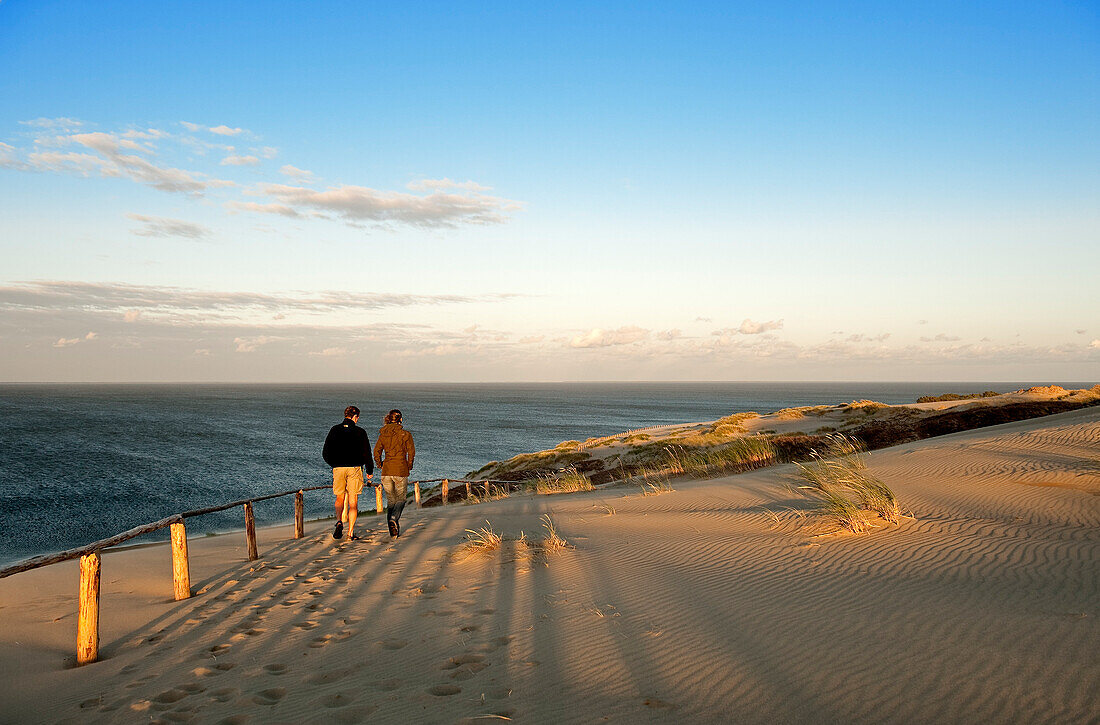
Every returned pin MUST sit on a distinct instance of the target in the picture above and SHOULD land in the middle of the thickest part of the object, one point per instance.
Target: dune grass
(739, 454)
(480, 542)
(552, 542)
(480, 493)
(568, 481)
(843, 492)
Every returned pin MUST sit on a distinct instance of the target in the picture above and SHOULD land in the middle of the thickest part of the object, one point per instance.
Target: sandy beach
(688, 606)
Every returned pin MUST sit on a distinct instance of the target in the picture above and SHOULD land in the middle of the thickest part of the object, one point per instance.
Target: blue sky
(425, 191)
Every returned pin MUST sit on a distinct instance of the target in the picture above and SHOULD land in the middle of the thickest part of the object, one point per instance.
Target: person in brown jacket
(397, 445)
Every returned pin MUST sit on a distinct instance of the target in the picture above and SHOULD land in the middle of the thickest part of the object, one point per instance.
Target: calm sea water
(82, 462)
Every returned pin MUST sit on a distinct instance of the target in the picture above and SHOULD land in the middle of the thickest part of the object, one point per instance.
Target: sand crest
(689, 606)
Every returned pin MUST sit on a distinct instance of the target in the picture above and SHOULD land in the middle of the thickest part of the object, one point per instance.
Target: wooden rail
(90, 555)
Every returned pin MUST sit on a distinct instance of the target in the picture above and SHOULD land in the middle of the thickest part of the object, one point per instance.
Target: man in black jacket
(347, 450)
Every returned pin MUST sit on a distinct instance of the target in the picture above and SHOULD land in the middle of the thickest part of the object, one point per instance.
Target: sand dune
(689, 606)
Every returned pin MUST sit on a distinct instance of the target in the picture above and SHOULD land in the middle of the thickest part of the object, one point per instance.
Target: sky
(439, 191)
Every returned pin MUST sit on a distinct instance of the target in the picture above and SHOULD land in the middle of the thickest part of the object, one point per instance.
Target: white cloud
(235, 160)
(531, 339)
(142, 170)
(269, 152)
(940, 338)
(224, 130)
(360, 203)
(599, 337)
(1080, 332)
(174, 303)
(331, 352)
(55, 124)
(299, 175)
(91, 336)
(155, 226)
(280, 209)
(192, 127)
(749, 327)
(1095, 344)
(674, 334)
(66, 342)
(251, 344)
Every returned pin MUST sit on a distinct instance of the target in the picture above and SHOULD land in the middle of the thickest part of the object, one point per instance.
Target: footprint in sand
(486, 611)
(275, 669)
(320, 641)
(307, 625)
(269, 696)
(219, 669)
(139, 682)
(469, 628)
(394, 644)
(324, 678)
(389, 685)
(128, 669)
(93, 702)
(224, 694)
(336, 700)
(169, 696)
(219, 648)
(234, 720)
(355, 714)
(444, 690)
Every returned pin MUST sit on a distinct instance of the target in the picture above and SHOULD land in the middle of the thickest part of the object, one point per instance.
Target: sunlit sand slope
(684, 607)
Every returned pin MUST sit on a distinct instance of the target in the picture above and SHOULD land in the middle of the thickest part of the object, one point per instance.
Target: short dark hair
(351, 411)
(394, 416)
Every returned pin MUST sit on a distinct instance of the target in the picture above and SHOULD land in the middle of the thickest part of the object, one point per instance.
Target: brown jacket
(398, 446)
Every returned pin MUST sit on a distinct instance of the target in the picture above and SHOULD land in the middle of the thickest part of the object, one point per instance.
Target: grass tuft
(552, 542)
(836, 480)
(568, 481)
(480, 542)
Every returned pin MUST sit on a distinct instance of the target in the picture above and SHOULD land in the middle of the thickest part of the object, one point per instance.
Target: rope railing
(90, 555)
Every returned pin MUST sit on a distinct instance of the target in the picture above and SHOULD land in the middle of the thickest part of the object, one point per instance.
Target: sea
(80, 463)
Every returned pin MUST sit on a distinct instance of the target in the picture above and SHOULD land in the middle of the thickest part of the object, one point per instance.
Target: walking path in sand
(689, 606)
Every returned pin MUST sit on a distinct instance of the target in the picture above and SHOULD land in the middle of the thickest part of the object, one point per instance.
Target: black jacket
(347, 445)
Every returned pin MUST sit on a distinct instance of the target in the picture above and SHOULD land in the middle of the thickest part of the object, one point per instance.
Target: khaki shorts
(396, 487)
(347, 478)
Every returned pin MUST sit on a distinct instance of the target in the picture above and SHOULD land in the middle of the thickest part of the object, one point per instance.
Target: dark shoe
(355, 537)
(396, 528)
(393, 528)
(338, 532)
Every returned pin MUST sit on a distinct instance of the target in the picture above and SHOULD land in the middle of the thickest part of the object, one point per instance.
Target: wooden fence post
(299, 515)
(181, 572)
(250, 532)
(443, 489)
(378, 497)
(467, 490)
(87, 621)
(416, 492)
(488, 495)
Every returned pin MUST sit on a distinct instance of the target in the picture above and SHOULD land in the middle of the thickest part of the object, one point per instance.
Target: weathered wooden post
(443, 489)
(181, 572)
(378, 497)
(299, 515)
(87, 619)
(250, 532)
(487, 496)
(416, 492)
(467, 490)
